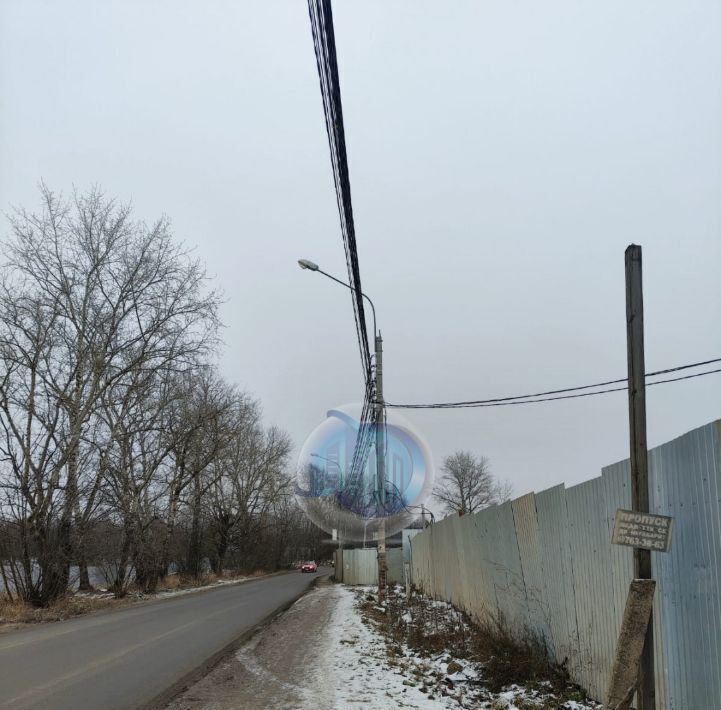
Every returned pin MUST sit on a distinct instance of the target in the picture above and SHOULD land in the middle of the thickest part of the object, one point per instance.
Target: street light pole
(380, 467)
(312, 266)
(380, 429)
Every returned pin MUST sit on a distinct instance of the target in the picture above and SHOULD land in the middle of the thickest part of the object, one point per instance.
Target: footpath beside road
(131, 657)
(319, 655)
(327, 652)
(315, 656)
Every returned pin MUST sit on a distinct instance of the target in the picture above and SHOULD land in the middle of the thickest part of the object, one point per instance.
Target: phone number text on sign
(644, 530)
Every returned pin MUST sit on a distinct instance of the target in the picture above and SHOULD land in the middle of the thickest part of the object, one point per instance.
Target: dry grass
(519, 657)
(172, 581)
(181, 581)
(506, 657)
(18, 613)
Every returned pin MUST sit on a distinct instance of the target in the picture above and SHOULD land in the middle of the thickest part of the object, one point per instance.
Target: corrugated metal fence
(546, 562)
(361, 566)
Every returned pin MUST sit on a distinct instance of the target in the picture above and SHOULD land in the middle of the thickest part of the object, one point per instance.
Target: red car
(309, 567)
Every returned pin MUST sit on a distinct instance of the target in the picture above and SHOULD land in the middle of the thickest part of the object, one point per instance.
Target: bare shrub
(18, 611)
(506, 656)
(519, 657)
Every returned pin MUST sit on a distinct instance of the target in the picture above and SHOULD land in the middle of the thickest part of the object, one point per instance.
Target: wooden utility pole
(639, 452)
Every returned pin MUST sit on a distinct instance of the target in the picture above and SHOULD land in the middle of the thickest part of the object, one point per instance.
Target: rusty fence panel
(545, 562)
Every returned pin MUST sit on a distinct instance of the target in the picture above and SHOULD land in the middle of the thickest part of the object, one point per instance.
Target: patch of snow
(369, 672)
(360, 667)
(189, 590)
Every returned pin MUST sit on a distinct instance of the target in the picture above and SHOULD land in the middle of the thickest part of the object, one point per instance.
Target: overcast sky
(502, 156)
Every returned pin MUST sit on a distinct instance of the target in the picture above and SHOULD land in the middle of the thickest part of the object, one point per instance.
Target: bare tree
(202, 429)
(242, 500)
(134, 462)
(88, 296)
(467, 485)
(120, 445)
(288, 521)
(34, 438)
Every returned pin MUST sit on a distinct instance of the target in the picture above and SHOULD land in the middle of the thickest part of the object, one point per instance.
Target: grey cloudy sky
(502, 156)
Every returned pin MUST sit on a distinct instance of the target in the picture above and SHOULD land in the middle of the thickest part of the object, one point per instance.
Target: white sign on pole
(644, 530)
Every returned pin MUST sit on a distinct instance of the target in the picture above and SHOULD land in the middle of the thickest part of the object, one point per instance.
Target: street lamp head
(305, 264)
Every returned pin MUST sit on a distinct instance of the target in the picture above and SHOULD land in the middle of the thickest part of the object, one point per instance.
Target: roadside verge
(189, 680)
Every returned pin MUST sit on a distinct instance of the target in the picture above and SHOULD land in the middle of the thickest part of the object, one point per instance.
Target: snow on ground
(189, 590)
(325, 653)
(103, 593)
(372, 674)
(357, 657)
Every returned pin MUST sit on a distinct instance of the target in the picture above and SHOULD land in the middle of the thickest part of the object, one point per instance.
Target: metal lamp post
(380, 427)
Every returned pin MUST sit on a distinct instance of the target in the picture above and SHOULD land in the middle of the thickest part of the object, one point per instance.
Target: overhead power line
(321, 20)
(568, 392)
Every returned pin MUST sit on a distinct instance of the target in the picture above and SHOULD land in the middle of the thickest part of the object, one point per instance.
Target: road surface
(291, 663)
(128, 658)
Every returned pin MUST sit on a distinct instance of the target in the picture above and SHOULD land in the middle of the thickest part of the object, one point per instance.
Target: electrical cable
(542, 396)
(321, 18)
(408, 506)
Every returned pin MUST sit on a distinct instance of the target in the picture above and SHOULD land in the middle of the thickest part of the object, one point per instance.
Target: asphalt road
(127, 658)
